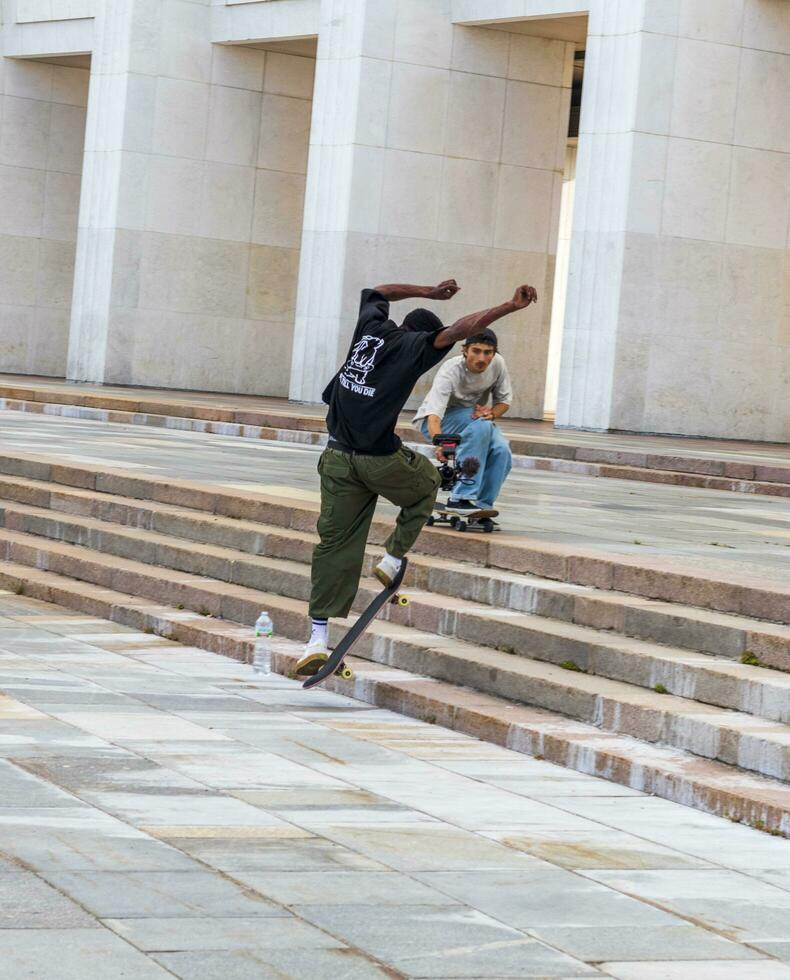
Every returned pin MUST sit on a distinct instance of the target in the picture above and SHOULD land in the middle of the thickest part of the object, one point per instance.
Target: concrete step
(161, 409)
(672, 774)
(732, 737)
(553, 453)
(704, 678)
(650, 474)
(715, 586)
(735, 738)
(192, 593)
(675, 624)
(698, 677)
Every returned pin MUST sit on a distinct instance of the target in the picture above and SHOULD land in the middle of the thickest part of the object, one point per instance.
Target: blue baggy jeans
(482, 439)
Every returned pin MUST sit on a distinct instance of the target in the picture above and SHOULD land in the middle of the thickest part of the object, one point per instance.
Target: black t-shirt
(382, 366)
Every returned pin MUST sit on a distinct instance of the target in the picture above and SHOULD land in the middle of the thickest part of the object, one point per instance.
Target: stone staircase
(670, 680)
(746, 468)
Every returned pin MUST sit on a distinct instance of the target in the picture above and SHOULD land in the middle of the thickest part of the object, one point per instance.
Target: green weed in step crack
(747, 657)
(755, 825)
(761, 825)
(572, 665)
(660, 689)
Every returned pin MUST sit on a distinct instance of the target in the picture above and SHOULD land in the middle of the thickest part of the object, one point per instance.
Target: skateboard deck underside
(335, 662)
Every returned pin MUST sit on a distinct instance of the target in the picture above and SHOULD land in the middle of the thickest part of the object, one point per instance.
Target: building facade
(192, 194)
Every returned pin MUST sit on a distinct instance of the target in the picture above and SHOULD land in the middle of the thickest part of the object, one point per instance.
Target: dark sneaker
(462, 506)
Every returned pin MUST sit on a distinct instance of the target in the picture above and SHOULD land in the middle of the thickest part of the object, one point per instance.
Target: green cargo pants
(350, 486)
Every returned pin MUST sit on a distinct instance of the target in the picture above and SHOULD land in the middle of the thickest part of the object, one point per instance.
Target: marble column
(345, 73)
(120, 110)
(677, 305)
(436, 150)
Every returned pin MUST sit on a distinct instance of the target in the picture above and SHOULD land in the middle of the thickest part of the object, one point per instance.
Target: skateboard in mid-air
(336, 663)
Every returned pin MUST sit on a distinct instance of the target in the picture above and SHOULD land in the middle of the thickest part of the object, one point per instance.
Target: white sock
(319, 631)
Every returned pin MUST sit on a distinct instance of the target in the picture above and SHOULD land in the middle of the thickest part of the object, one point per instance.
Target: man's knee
(479, 432)
(429, 479)
(501, 451)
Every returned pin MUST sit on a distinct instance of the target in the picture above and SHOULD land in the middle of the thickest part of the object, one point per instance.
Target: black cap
(484, 337)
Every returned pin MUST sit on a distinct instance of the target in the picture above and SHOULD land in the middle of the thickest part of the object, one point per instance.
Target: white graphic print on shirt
(363, 357)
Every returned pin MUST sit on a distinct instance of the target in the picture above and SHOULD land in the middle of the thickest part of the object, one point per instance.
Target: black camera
(451, 472)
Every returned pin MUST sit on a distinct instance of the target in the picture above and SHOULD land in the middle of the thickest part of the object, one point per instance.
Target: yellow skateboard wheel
(401, 600)
(346, 673)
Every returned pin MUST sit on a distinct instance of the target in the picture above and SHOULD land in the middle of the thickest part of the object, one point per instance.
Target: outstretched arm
(395, 291)
(468, 326)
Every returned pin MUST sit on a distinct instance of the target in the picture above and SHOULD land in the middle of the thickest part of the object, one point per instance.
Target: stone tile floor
(166, 812)
(712, 529)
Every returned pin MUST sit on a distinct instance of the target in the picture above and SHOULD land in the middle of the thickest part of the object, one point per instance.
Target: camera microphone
(469, 468)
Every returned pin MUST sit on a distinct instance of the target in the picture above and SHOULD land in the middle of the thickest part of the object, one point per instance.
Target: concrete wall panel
(197, 199)
(42, 124)
(454, 170)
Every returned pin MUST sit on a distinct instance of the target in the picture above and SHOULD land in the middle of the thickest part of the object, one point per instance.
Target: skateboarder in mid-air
(364, 459)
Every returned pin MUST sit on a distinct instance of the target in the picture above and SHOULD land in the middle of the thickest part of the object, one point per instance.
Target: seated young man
(458, 404)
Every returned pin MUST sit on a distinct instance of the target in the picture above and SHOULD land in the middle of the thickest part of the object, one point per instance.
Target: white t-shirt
(454, 386)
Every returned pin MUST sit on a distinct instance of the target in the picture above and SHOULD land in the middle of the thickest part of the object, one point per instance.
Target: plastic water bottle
(262, 660)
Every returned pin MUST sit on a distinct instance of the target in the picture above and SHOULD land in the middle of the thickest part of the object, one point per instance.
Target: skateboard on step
(478, 520)
(336, 663)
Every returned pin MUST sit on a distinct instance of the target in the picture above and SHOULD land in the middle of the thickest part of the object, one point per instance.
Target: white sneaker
(315, 656)
(388, 569)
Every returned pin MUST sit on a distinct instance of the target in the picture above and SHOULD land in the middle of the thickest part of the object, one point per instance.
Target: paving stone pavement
(165, 811)
(714, 528)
